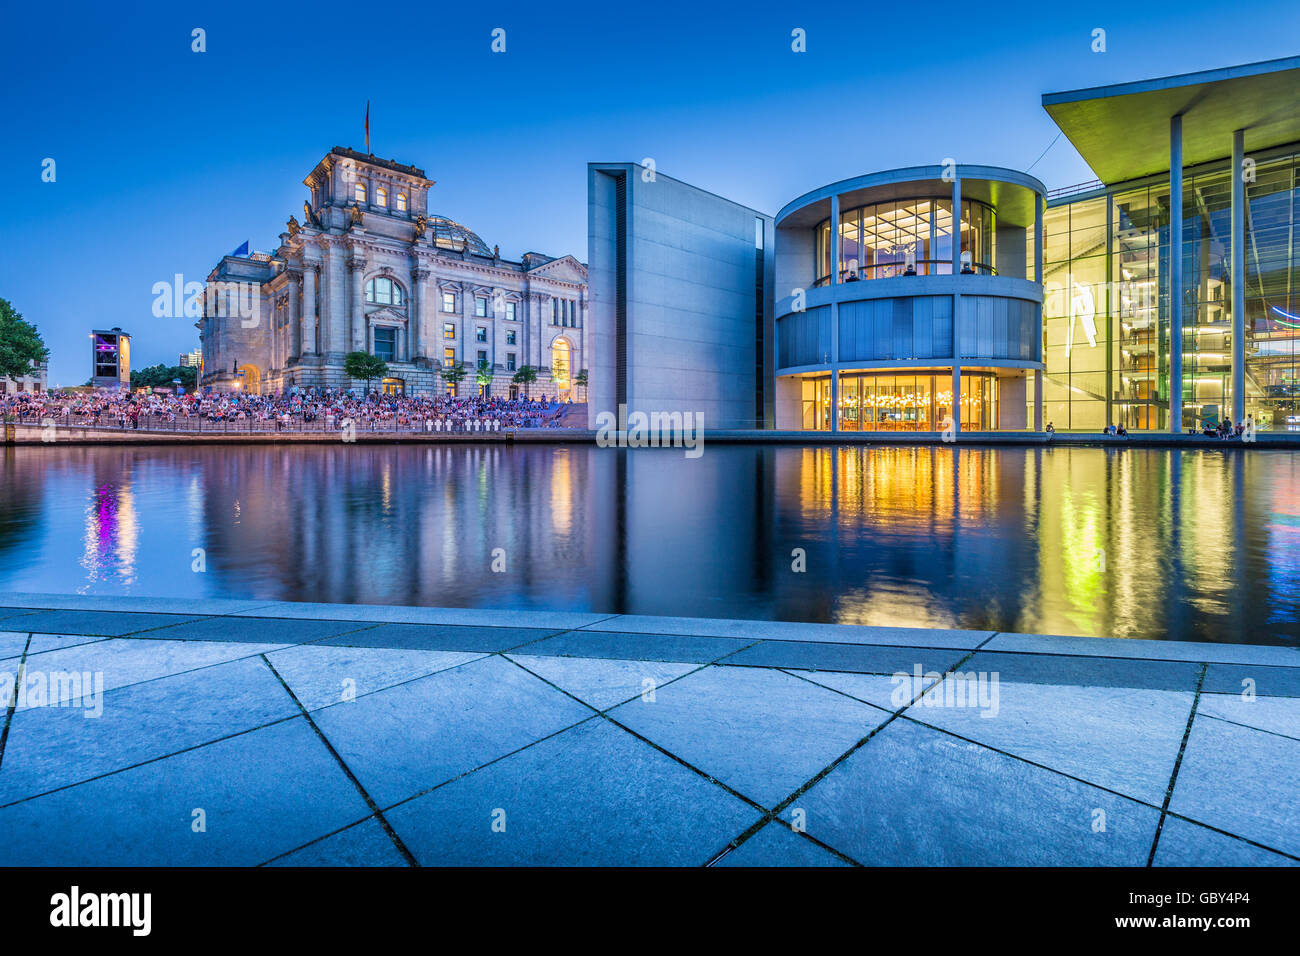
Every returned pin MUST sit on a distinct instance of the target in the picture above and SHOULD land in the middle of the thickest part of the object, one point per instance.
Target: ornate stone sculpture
(421, 224)
(356, 215)
(294, 227)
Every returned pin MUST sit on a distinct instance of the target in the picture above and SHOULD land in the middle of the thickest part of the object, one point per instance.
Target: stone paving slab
(915, 796)
(1150, 650)
(364, 844)
(1259, 680)
(858, 658)
(792, 631)
(258, 795)
(775, 845)
(1278, 715)
(1189, 844)
(442, 637)
(762, 733)
(591, 796)
(127, 660)
(625, 741)
(116, 624)
(645, 647)
(120, 604)
(51, 747)
(1243, 781)
(253, 630)
(438, 727)
(397, 614)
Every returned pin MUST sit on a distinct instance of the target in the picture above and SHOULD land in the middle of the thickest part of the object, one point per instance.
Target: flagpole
(367, 127)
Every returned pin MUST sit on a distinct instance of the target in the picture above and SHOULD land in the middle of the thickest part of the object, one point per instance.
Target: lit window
(480, 306)
(383, 292)
(480, 334)
(381, 196)
(359, 192)
(510, 311)
(449, 302)
(510, 337)
(448, 330)
(448, 358)
(401, 202)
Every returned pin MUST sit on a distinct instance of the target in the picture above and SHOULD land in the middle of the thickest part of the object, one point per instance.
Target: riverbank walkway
(197, 732)
(244, 433)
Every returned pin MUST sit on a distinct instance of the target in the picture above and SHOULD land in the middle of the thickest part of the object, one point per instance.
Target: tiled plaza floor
(248, 733)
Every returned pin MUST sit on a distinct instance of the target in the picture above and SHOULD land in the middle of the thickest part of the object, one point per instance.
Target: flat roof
(1122, 130)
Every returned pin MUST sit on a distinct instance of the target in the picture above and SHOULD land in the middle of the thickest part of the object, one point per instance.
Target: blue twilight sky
(167, 159)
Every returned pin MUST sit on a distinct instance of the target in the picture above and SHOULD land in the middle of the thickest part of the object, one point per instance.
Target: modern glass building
(1164, 295)
(914, 302)
(1134, 335)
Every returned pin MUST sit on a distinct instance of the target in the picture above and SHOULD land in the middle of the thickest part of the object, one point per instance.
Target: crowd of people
(307, 409)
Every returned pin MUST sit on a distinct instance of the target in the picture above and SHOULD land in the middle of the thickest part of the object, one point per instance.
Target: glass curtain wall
(1106, 335)
(1272, 321)
(909, 237)
(909, 401)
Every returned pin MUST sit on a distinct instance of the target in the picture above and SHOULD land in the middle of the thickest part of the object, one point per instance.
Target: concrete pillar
(1038, 242)
(357, 319)
(307, 336)
(1176, 274)
(956, 396)
(1038, 400)
(835, 240)
(1238, 279)
(956, 241)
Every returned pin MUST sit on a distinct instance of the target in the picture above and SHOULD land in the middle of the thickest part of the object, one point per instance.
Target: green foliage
(525, 376)
(454, 374)
(20, 344)
(483, 374)
(364, 365)
(164, 376)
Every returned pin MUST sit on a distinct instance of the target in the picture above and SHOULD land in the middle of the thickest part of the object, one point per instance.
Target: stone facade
(35, 382)
(369, 269)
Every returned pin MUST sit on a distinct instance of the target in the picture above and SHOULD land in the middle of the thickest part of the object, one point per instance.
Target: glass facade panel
(1108, 257)
(908, 237)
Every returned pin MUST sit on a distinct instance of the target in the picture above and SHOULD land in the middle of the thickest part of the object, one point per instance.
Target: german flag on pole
(367, 127)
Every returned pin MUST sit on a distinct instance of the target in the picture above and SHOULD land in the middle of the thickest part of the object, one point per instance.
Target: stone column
(356, 274)
(294, 331)
(334, 310)
(419, 322)
(307, 335)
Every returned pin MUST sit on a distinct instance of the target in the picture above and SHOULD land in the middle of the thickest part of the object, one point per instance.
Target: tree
(483, 376)
(364, 365)
(526, 376)
(452, 374)
(580, 380)
(164, 376)
(20, 344)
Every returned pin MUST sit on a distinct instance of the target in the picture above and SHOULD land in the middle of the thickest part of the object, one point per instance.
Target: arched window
(381, 197)
(561, 362)
(401, 202)
(359, 192)
(383, 291)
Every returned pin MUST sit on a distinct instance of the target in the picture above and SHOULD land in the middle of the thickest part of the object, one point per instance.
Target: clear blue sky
(167, 159)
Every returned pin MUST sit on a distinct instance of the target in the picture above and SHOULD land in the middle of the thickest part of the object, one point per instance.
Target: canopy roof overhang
(1122, 131)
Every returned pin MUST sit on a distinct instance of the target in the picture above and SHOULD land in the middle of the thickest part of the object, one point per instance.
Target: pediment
(565, 268)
